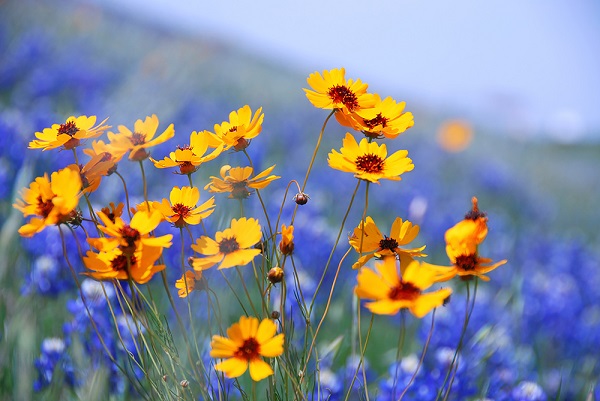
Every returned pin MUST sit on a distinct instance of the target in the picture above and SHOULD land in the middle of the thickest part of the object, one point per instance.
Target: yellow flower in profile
(107, 152)
(113, 263)
(91, 174)
(237, 181)
(385, 119)
(331, 90)
(369, 161)
(142, 138)
(52, 201)
(241, 127)
(187, 283)
(462, 241)
(190, 157)
(182, 210)
(112, 211)
(231, 247)
(286, 246)
(69, 134)
(374, 244)
(392, 292)
(246, 343)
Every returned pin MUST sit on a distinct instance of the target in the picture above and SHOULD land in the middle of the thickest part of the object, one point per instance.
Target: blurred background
(505, 96)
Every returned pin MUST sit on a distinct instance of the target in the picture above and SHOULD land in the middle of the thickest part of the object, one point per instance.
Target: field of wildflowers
(169, 233)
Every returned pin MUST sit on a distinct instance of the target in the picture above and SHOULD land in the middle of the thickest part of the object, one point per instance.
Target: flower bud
(275, 315)
(275, 275)
(301, 198)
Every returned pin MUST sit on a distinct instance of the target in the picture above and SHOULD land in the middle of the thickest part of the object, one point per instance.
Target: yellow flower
(246, 342)
(142, 138)
(189, 157)
(374, 244)
(286, 246)
(230, 247)
(368, 160)
(182, 208)
(69, 134)
(52, 201)
(91, 174)
(113, 263)
(385, 119)
(332, 91)
(130, 237)
(237, 180)
(241, 127)
(113, 210)
(455, 135)
(462, 241)
(187, 283)
(391, 292)
(108, 154)
(466, 235)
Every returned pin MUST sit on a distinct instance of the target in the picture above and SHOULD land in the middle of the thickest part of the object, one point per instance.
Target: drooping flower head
(241, 127)
(237, 181)
(331, 90)
(182, 209)
(369, 161)
(246, 343)
(69, 134)
(374, 244)
(190, 157)
(52, 201)
(92, 172)
(286, 245)
(141, 139)
(231, 247)
(188, 282)
(385, 119)
(391, 291)
(107, 153)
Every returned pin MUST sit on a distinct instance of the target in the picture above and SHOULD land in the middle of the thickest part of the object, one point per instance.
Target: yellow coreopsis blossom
(91, 174)
(241, 127)
(182, 209)
(114, 263)
(369, 161)
(187, 283)
(237, 180)
(246, 343)
(52, 201)
(368, 240)
(112, 211)
(69, 134)
(130, 237)
(109, 154)
(462, 242)
(137, 142)
(385, 119)
(190, 157)
(231, 247)
(391, 291)
(331, 90)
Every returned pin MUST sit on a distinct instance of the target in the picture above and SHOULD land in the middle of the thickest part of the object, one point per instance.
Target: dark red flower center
(228, 245)
(467, 262)
(249, 350)
(68, 128)
(181, 210)
(44, 207)
(138, 139)
(341, 94)
(370, 163)
(388, 243)
(120, 262)
(184, 147)
(130, 235)
(239, 190)
(404, 291)
(374, 122)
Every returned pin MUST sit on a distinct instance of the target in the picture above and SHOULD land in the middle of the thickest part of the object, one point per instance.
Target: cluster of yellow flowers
(128, 249)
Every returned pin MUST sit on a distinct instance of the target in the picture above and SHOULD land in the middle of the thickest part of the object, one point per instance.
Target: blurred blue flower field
(534, 333)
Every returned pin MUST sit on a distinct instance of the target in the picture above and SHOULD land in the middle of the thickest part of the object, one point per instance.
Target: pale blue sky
(526, 67)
